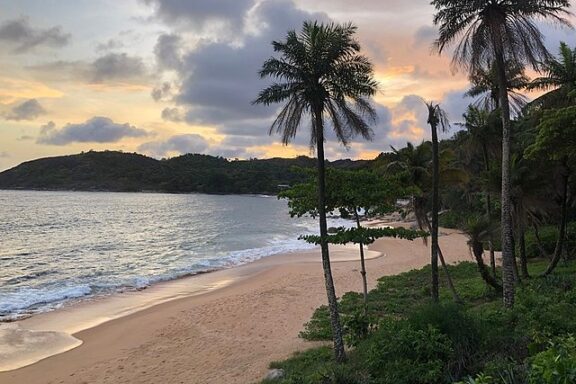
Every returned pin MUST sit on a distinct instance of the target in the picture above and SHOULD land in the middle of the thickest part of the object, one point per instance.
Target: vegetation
(323, 77)
(409, 339)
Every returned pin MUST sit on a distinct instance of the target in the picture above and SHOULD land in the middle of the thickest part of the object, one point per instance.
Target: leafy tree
(497, 31)
(321, 75)
(556, 139)
(348, 192)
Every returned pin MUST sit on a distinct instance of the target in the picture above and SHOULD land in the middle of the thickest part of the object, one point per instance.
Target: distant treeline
(130, 172)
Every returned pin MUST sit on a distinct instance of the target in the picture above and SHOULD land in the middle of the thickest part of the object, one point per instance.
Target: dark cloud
(162, 92)
(28, 110)
(25, 138)
(172, 114)
(23, 37)
(111, 68)
(116, 66)
(181, 144)
(168, 52)
(95, 130)
(198, 15)
(220, 80)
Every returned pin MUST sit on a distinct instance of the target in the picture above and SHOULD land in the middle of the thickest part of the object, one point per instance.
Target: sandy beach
(221, 327)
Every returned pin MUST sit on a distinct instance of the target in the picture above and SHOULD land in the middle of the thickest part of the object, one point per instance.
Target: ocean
(57, 248)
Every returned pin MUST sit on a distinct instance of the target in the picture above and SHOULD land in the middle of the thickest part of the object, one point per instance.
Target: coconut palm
(485, 86)
(497, 31)
(436, 119)
(559, 79)
(321, 75)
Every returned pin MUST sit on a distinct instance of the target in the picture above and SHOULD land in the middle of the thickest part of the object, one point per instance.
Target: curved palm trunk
(563, 221)
(508, 278)
(435, 209)
(478, 251)
(362, 266)
(339, 352)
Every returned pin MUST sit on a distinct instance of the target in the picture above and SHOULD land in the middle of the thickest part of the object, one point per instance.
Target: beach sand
(221, 327)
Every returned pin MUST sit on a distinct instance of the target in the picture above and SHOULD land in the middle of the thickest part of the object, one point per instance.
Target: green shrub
(398, 353)
(557, 364)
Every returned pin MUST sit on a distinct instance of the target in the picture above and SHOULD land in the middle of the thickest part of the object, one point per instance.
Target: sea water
(61, 247)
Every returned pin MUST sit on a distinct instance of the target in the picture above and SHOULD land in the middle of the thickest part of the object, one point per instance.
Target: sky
(167, 77)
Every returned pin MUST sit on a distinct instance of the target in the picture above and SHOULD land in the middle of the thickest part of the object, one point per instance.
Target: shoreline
(41, 335)
(274, 294)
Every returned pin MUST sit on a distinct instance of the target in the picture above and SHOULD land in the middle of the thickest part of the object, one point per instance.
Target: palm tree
(497, 31)
(484, 83)
(414, 164)
(559, 81)
(483, 132)
(436, 118)
(321, 75)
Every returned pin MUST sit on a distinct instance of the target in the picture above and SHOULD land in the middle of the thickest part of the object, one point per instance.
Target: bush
(549, 236)
(557, 364)
(398, 353)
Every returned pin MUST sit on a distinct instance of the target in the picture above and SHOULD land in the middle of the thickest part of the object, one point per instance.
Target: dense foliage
(409, 339)
(130, 172)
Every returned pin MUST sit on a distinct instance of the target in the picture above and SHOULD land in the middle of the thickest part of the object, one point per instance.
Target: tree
(497, 31)
(483, 132)
(436, 118)
(413, 165)
(485, 83)
(348, 192)
(559, 81)
(557, 140)
(321, 75)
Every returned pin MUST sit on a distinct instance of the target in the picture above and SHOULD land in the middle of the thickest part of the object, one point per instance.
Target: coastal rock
(274, 374)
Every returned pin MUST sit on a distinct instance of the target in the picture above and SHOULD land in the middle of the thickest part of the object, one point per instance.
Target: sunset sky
(166, 77)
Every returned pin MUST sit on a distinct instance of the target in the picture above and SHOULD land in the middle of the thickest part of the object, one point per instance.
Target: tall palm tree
(497, 31)
(436, 119)
(483, 132)
(559, 79)
(484, 82)
(321, 75)
(414, 165)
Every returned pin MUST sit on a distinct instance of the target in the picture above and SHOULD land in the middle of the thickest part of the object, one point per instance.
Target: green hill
(119, 171)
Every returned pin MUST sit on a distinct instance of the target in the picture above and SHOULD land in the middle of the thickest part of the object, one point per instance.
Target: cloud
(28, 110)
(109, 45)
(25, 138)
(23, 37)
(111, 68)
(95, 130)
(179, 144)
(116, 66)
(4, 154)
(200, 15)
(425, 36)
(172, 114)
(168, 51)
(219, 80)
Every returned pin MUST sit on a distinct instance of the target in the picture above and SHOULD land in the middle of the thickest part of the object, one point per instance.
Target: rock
(274, 374)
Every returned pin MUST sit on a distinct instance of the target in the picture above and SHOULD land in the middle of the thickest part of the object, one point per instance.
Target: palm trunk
(362, 266)
(508, 280)
(435, 209)
(563, 220)
(455, 295)
(478, 251)
(339, 352)
(489, 212)
(523, 258)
